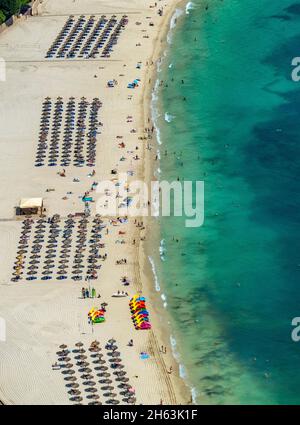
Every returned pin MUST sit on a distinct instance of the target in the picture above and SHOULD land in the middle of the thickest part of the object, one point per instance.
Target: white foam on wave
(168, 117)
(157, 286)
(173, 23)
(171, 65)
(182, 369)
(164, 298)
(154, 111)
(162, 250)
(188, 7)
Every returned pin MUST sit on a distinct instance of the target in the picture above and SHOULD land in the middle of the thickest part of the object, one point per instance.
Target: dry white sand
(40, 315)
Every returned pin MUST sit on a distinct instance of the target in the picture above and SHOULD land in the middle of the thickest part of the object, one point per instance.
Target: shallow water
(232, 285)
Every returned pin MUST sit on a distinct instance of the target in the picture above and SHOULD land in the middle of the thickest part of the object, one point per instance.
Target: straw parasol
(70, 378)
(73, 385)
(63, 346)
(93, 396)
(89, 383)
(105, 381)
(122, 379)
(91, 390)
(120, 373)
(86, 369)
(81, 357)
(107, 388)
(86, 376)
(103, 374)
(103, 368)
(112, 401)
(77, 398)
(115, 360)
(74, 392)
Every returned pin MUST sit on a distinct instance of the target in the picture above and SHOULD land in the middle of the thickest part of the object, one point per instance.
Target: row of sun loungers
(68, 132)
(95, 376)
(59, 249)
(87, 37)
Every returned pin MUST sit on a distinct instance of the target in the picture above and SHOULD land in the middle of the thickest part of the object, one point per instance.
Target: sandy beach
(42, 315)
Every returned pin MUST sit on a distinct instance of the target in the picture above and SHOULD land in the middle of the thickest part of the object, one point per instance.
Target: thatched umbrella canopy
(103, 374)
(120, 373)
(103, 368)
(81, 357)
(69, 372)
(74, 392)
(91, 390)
(126, 386)
(77, 398)
(70, 378)
(122, 379)
(115, 360)
(112, 341)
(107, 388)
(114, 354)
(79, 344)
(93, 396)
(105, 381)
(99, 361)
(89, 383)
(112, 401)
(82, 363)
(73, 385)
(69, 365)
(94, 349)
(86, 369)
(86, 376)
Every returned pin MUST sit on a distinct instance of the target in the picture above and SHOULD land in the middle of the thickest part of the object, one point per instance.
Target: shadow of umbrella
(102, 368)
(74, 392)
(76, 398)
(81, 357)
(112, 401)
(103, 375)
(70, 378)
(72, 385)
(120, 373)
(85, 369)
(89, 383)
(68, 372)
(82, 363)
(115, 360)
(93, 396)
(64, 359)
(122, 379)
(114, 354)
(86, 376)
(91, 390)
(105, 381)
(102, 362)
(107, 388)
(110, 394)
(63, 346)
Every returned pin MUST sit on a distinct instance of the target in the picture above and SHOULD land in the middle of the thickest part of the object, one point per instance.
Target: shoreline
(182, 389)
(171, 388)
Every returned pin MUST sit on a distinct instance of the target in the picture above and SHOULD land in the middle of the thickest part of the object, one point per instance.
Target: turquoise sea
(232, 286)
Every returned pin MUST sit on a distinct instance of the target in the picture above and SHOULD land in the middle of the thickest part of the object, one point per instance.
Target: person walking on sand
(170, 370)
